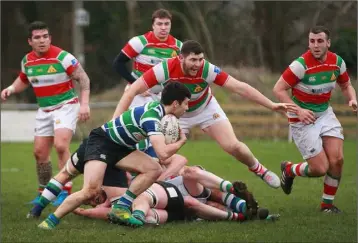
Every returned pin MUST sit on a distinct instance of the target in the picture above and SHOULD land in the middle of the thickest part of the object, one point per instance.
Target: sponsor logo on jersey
(198, 89)
(217, 70)
(216, 116)
(151, 51)
(312, 79)
(51, 69)
(29, 71)
(324, 77)
(103, 156)
(333, 77)
(34, 81)
(174, 54)
(74, 62)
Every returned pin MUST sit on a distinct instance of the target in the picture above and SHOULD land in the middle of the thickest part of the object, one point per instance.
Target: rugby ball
(170, 128)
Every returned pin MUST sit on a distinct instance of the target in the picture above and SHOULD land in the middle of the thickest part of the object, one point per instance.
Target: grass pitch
(300, 220)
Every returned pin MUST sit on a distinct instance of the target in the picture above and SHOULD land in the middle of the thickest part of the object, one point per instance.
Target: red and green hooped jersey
(49, 76)
(147, 51)
(199, 85)
(312, 81)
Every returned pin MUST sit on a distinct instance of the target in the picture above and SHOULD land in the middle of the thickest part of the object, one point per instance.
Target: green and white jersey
(135, 124)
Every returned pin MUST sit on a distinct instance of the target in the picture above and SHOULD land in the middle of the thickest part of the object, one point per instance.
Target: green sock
(226, 186)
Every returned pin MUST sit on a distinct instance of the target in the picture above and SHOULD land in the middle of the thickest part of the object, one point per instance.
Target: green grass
(300, 220)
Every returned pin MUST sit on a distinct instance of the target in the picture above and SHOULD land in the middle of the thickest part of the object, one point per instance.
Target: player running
(113, 144)
(196, 73)
(314, 127)
(51, 72)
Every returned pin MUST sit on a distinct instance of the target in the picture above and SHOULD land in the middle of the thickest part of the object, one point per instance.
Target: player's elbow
(277, 90)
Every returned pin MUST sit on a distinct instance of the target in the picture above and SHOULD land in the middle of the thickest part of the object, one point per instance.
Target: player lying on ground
(171, 200)
(75, 166)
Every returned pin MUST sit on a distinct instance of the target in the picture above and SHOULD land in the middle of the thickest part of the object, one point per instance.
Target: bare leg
(223, 133)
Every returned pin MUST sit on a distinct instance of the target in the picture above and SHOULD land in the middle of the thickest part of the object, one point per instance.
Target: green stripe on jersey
(143, 39)
(142, 145)
(62, 55)
(158, 52)
(311, 106)
(44, 69)
(138, 73)
(112, 133)
(339, 61)
(165, 68)
(54, 187)
(130, 125)
(56, 99)
(302, 61)
(205, 70)
(178, 43)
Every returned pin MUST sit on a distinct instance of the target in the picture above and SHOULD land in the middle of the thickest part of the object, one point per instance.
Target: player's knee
(336, 161)
(61, 147)
(91, 192)
(155, 170)
(41, 155)
(191, 172)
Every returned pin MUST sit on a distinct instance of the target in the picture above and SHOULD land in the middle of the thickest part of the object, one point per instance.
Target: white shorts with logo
(64, 117)
(206, 117)
(308, 138)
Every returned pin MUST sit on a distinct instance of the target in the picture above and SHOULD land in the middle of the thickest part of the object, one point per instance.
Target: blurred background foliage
(252, 40)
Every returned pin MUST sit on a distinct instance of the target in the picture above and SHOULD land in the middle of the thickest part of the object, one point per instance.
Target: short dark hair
(173, 91)
(191, 46)
(320, 29)
(161, 14)
(37, 25)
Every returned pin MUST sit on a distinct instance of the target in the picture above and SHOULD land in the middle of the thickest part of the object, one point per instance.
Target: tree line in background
(233, 33)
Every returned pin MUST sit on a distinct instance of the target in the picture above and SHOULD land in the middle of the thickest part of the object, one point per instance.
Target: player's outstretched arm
(95, 213)
(17, 87)
(252, 94)
(136, 88)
